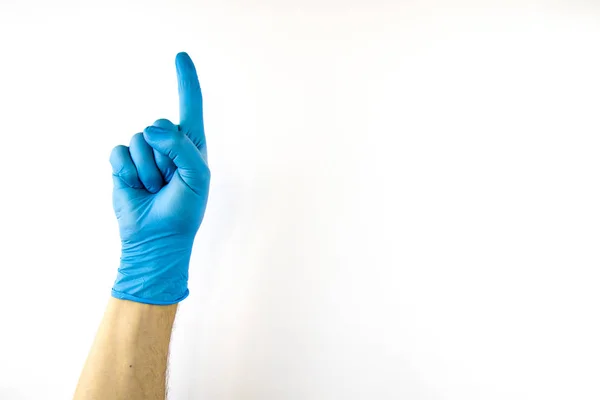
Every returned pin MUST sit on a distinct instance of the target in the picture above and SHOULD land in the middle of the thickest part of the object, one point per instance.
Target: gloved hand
(160, 192)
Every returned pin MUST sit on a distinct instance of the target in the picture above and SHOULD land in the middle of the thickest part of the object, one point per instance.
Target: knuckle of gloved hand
(127, 174)
(129, 178)
(135, 139)
(114, 153)
(205, 172)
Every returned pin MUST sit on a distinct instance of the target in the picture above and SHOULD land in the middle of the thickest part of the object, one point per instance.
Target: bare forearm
(128, 359)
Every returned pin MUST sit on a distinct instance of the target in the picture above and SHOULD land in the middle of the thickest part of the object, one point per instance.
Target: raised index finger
(190, 99)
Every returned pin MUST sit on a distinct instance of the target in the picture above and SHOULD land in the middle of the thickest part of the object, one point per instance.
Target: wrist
(156, 274)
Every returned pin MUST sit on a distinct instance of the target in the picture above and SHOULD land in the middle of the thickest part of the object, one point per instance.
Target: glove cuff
(126, 296)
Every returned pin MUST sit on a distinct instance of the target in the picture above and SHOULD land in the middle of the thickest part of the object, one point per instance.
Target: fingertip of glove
(153, 130)
(182, 57)
(165, 124)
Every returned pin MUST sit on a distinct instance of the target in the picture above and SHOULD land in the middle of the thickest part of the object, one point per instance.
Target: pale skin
(128, 359)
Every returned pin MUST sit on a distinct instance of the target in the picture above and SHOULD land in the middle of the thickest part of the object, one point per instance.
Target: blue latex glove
(160, 192)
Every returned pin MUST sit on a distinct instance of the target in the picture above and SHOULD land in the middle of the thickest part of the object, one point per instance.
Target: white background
(404, 204)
